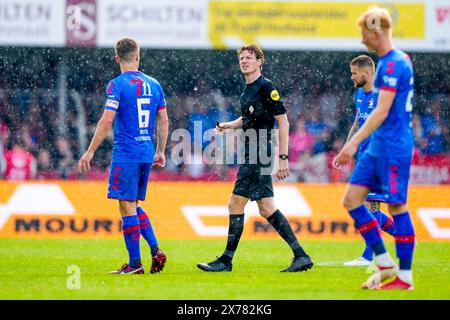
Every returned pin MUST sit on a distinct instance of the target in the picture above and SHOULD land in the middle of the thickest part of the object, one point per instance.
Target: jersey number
(142, 85)
(143, 115)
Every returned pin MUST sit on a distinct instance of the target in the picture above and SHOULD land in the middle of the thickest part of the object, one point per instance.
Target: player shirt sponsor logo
(275, 95)
(363, 116)
(390, 81)
(251, 109)
(112, 104)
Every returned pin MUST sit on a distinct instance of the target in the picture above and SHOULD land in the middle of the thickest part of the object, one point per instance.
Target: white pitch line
(329, 264)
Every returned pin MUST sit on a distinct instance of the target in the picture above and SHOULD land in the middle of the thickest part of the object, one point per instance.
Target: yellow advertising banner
(196, 210)
(249, 21)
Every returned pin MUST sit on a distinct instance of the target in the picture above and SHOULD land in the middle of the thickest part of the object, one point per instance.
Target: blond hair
(375, 18)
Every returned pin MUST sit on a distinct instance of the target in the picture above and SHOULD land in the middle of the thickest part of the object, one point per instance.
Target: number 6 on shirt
(143, 115)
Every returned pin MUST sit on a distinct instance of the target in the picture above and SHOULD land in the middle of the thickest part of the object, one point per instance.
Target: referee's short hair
(363, 61)
(252, 48)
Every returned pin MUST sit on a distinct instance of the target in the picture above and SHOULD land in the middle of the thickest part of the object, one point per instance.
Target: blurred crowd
(39, 141)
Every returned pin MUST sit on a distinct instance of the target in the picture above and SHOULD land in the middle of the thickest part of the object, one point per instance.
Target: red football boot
(382, 274)
(158, 261)
(127, 269)
(396, 284)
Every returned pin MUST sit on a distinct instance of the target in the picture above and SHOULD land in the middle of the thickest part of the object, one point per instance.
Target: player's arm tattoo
(353, 129)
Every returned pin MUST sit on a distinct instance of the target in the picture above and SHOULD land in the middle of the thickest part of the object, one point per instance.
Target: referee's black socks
(235, 229)
(282, 226)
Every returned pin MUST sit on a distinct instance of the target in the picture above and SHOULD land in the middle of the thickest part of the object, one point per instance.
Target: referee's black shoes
(299, 264)
(215, 266)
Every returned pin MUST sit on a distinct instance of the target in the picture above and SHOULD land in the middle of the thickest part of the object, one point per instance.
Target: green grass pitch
(37, 269)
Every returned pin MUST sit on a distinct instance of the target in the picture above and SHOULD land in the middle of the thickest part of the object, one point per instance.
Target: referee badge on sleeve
(275, 95)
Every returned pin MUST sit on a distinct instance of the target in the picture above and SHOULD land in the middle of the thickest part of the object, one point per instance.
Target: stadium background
(57, 57)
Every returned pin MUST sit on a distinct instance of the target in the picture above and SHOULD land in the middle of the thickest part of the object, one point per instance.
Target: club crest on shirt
(275, 95)
(251, 109)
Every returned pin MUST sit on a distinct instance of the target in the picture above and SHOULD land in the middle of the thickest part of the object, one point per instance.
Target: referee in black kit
(261, 105)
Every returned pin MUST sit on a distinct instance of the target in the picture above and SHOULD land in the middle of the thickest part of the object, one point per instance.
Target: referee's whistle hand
(218, 130)
(221, 127)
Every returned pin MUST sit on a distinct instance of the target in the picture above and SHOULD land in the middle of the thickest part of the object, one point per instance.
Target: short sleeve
(274, 102)
(389, 75)
(112, 96)
(162, 99)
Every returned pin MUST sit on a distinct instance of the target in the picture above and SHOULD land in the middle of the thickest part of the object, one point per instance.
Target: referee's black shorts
(254, 181)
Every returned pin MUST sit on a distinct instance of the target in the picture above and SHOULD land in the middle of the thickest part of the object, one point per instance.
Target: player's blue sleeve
(112, 96)
(390, 75)
(162, 99)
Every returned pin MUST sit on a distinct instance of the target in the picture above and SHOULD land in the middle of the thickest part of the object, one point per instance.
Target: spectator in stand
(4, 132)
(316, 126)
(311, 168)
(323, 142)
(337, 175)
(64, 157)
(300, 140)
(419, 142)
(29, 143)
(200, 116)
(35, 127)
(434, 126)
(45, 169)
(2, 159)
(19, 163)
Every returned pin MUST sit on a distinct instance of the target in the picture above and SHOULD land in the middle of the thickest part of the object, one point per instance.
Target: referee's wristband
(284, 156)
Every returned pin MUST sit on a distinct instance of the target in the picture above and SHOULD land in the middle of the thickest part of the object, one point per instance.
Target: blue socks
(131, 234)
(147, 230)
(369, 229)
(387, 225)
(404, 239)
(368, 253)
(400, 227)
